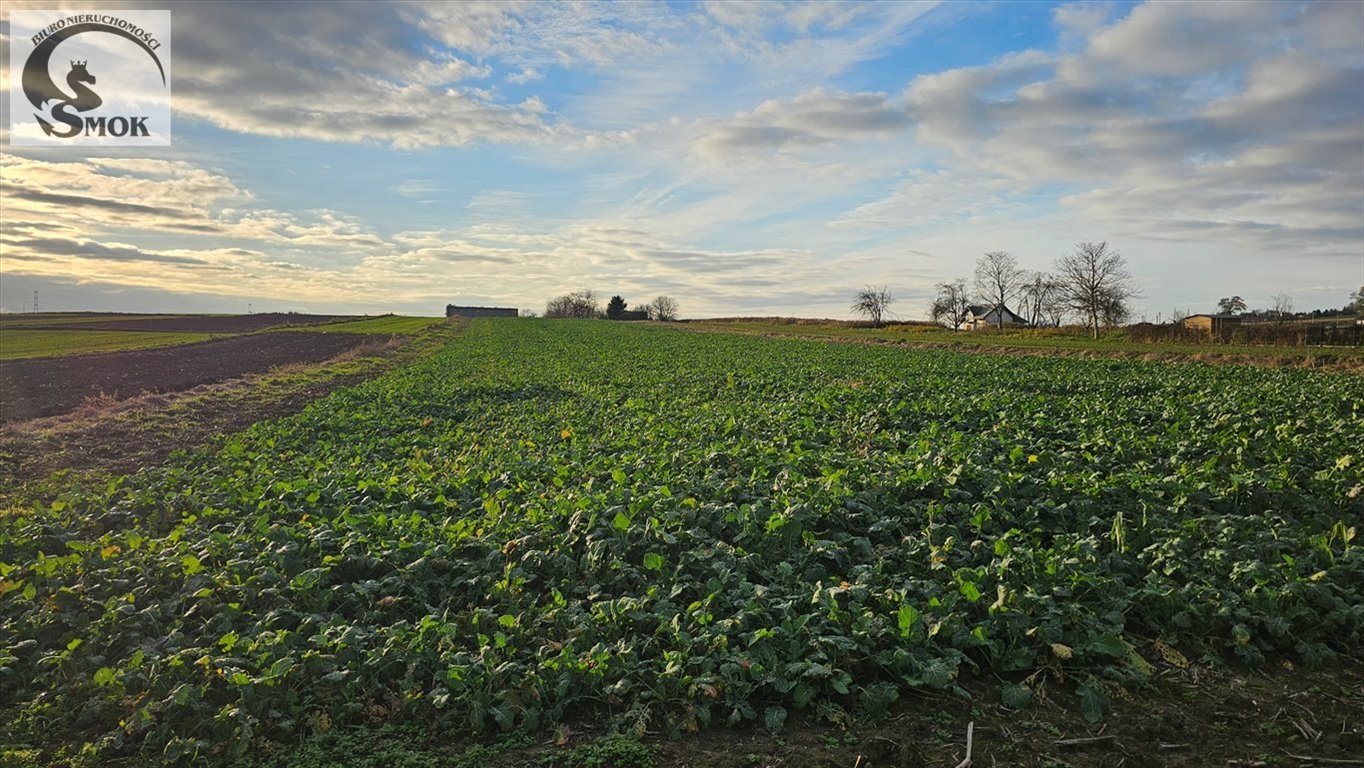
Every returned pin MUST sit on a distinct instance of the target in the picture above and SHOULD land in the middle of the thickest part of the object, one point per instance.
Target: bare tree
(663, 308)
(1113, 308)
(1042, 300)
(998, 279)
(1096, 283)
(578, 304)
(873, 303)
(1281, 306)
(951, 305)
(1056, 308)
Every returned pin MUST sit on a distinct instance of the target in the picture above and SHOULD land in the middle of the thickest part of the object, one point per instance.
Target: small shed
(980, 317)
(1212, 325)
(454, 310)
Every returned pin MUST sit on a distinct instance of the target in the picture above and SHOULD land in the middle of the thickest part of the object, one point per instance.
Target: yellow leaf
(1062, 651)
(565, 434)
(1137, 661)
(1170, 655)
(1032, 458)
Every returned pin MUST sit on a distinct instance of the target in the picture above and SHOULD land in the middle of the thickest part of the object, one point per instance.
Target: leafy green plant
(667, 530)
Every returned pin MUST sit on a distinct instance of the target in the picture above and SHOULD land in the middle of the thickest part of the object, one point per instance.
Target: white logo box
(89, 78)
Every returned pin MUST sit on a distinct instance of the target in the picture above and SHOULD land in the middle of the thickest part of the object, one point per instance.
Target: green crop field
(550, 520)
(1114, 341)
(388, 324)
(21, 343)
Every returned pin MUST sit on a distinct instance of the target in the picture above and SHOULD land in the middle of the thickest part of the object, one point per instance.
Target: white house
(980, 317)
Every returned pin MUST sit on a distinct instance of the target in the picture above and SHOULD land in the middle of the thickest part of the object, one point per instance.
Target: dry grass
(379, 347)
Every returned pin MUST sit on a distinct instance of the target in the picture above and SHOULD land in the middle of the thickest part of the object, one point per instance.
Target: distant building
(1212, 325)
(452, 310)
(980, 317)
(633, 314)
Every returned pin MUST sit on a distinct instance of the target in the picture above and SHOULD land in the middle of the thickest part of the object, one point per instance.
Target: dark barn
(452, 310)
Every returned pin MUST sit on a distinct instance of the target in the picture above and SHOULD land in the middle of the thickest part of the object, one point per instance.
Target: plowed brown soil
(199, 323)
(39, 387)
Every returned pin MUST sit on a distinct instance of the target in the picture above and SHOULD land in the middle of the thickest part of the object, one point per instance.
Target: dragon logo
(60, 112)
(84, 100)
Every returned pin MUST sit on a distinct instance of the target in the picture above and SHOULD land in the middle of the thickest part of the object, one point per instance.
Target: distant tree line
(1092, 283)
(584, 304)
(1281, 309)
(581, 304)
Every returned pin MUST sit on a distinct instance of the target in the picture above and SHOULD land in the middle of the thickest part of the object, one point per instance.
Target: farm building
(980, 317)
(633, 314)
(1212, 325)
(452, 310)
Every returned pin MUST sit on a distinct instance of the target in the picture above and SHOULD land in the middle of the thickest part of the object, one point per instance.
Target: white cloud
(338, 73)
(1185, 39)
(813, 119)
(526, 75)
(419, 189)
(547, 34)
(1260, 165)
(1077, 22)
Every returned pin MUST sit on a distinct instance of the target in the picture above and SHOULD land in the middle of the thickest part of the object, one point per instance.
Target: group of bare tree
(1096, 284)
(952, 304)
(584, 304)
(1092, 282)
(1042, 300)
(1280, 308)
(662, 309)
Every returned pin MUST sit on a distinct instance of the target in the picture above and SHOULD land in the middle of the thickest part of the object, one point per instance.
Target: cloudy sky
(744, 158)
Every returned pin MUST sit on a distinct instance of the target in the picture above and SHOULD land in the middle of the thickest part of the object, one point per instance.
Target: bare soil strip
(39, 387)
(1188, 718)
(106, 437)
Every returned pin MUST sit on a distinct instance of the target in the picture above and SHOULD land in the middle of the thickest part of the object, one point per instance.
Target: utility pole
(35, 302)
